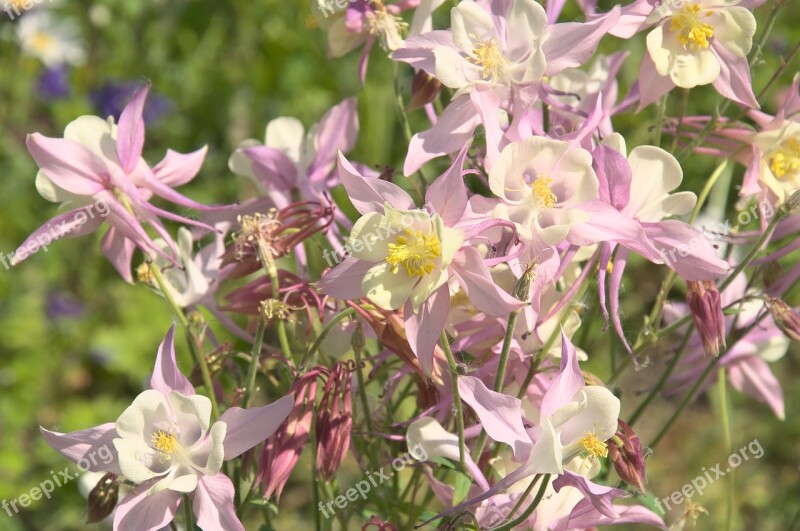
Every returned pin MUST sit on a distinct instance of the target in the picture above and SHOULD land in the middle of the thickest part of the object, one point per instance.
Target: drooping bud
(282, 451)
(376, 524)
(785, 317)
(424, 89)
(706, 308)
(102, 499)
(335, 420)
(625, 452)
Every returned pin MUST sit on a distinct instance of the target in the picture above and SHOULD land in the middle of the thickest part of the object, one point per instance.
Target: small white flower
(52, 42)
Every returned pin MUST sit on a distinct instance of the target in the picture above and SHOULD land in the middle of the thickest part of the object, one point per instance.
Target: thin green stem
(682, 106)
(756, 249)
(726, 432)
(255, 360)
(532, 507)
(344, 314)
(659, 127)
(187, 512)
(362, 388)
(502, 364)
(457, 406)
(194, 348)
(664, 377)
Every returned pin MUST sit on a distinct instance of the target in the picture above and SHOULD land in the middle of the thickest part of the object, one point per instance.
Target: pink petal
(616, 280)
(417, 50)
(424, 329)
(571, 44)
(272, 167)
(140, 511)
(70, 165)
(453, 129)
(249, 427)
(615, 176)
(344, 280)
(370, 194)
(166, 374)
(754, 377)
(487, 102)
(130, 131)
(568, 381)
(92, 448)
(69, 224)
(500, 415)
(734, 78)
(651, 85)
(337, 131)
(447, 195)
(686, 250)
(119, 251)
(599, 496)
(176, 168)
(213, 504)
(481, 290)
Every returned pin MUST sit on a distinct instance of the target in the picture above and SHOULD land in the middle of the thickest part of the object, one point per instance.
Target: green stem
(451, 364)
(503, 363)
(726, 431)
(662, 107)
(684, 103)
(187, 512)
(664, 377)
(756, 249)
(344, 314)
(255, 359)
(194, 348)
(361, 386)
(532, 507)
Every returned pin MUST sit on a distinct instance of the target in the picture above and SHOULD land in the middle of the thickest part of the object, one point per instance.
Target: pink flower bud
(785, 317)
(335, 420)
(706, 308)
(625, 452)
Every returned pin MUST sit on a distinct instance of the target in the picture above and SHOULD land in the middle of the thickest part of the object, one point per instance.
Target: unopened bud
(625, 452)
(335, 420)
(102, 499)
(785, 317)
(706, 308)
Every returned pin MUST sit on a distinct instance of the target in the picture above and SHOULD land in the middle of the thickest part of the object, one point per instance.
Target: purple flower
(53, 83)
(112, 97)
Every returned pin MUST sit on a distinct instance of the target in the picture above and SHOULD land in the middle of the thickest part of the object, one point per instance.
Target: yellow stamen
(165, 443)
(594, 446)
(41, 42)
(487, 55)
(692, 33)
(415, 252)
(785, 159)
(542, 192)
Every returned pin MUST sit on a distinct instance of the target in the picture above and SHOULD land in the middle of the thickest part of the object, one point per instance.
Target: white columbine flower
(52, 42)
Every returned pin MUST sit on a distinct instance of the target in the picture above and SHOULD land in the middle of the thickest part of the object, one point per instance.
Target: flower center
(415, 252)
(489, 58)
(385, 25)
(785, 160)
(41, 42)
(165, 443)
(542, 192)
(692, 33)
(594, 446)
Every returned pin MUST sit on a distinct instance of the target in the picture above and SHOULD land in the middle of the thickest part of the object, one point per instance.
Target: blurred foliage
(228, 67)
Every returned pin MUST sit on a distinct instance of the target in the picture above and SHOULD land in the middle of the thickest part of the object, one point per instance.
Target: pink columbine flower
(494, 56)
(403, 257)
(166, 444)
(692, 43)
(99, 163)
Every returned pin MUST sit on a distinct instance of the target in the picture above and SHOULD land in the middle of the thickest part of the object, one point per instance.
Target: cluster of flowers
(471, 283)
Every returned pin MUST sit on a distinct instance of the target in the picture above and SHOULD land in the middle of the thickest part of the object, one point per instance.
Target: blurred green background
(77, 343)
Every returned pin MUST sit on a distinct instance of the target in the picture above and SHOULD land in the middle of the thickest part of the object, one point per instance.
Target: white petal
(734, 28)
(368, 240)
(471, 23)
(386, 289)
(286, 134)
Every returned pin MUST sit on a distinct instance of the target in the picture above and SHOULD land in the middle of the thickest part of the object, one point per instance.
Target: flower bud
(335, 420)
(706, 308)
(625, 452)
(424, 89)
(282, 451)
(102, 499)
(785, 317)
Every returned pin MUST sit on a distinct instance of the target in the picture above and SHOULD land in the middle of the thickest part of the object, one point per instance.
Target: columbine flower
(402, 257)
(98, 163)
(166, 444)
(52, 42)
(694, 42)
(540, 182)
